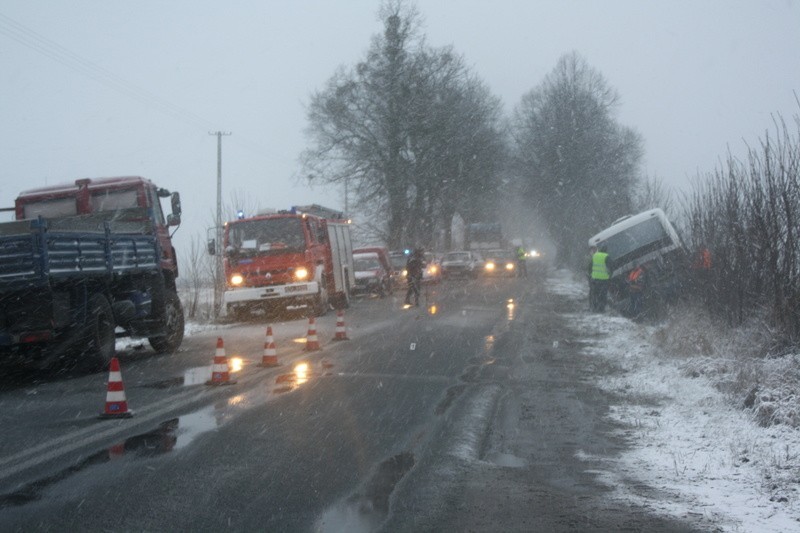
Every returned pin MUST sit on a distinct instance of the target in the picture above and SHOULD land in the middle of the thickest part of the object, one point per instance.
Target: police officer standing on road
(414, 267)
(598, 283)
(522, 266)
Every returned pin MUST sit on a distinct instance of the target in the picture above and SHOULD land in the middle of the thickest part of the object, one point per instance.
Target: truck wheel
(173, 325)
(100, 335)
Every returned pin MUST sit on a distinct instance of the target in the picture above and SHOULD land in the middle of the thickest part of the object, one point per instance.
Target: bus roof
(625, 223)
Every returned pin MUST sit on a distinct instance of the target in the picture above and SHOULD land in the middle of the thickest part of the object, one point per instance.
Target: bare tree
(195, 270)
(747, 214)
(577, 165)
(650, 193)
(411, 132)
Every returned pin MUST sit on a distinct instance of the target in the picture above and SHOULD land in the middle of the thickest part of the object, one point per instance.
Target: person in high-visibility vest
(598, 284)
(522, 267)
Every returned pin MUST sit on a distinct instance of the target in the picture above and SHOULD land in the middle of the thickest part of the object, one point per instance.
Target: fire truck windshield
(271, 235)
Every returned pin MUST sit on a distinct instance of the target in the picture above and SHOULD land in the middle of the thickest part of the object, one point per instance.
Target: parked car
(463, 264)
(372, 275)
(500, 263)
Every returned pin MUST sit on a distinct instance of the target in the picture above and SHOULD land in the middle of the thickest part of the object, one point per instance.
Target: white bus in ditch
(647, 237)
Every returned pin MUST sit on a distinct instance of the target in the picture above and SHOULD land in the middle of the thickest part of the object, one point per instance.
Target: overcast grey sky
(85, 93)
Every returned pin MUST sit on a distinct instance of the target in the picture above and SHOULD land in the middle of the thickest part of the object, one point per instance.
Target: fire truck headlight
(236, 280)
(300, 273)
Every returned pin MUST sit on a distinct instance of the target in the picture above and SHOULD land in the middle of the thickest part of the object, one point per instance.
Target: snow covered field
(700, 452)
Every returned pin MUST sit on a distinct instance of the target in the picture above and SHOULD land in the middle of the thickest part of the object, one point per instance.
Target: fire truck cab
(299, 257)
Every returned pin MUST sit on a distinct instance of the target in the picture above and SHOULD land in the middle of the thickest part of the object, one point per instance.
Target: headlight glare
(300, 273)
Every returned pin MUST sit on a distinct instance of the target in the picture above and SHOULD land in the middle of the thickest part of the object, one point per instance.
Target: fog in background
(93, 88)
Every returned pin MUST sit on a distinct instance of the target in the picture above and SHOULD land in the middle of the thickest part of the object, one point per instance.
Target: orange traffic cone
(220, 371)
(341, 330)
(312, 343)
(270, 357)
(116, 404)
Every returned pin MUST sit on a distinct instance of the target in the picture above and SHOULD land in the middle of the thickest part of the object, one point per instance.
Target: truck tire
(100, 336)
(173, 325)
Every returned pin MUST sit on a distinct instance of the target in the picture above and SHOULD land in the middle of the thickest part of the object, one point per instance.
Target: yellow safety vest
(599, 269)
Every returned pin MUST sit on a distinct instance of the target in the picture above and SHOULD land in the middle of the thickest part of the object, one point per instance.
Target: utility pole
(218, 244)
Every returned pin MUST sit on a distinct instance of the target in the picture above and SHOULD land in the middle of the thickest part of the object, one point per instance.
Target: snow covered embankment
(701, 453)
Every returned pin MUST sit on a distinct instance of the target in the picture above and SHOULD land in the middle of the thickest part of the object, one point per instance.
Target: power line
(62, 55)
(58, 53)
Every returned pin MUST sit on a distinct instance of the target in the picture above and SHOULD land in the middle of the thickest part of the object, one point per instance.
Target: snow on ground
(124, 343)
(699, 453)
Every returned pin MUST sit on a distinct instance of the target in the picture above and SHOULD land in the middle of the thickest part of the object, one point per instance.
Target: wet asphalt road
(317, 443)
(459, 415)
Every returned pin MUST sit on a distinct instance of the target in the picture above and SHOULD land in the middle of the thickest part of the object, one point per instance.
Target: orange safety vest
(635, 279)
(703, 260)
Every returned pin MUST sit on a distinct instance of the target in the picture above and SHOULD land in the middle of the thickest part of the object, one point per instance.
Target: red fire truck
(299, 257)
(82, 259)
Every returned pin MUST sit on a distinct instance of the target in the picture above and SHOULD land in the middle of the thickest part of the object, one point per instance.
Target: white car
(461, 264)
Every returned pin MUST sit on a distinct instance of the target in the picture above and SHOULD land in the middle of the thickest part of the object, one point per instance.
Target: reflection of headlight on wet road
(235, 364)
(301, 371)
(510, 306)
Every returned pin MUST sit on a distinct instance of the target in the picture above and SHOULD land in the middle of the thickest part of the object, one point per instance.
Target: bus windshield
(649, 234)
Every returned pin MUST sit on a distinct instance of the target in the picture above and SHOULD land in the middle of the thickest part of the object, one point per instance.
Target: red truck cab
(91, 196)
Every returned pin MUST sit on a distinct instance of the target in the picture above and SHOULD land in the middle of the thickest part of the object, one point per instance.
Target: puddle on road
(198, 375)
(175, 433)
(161, 440)
(367, 508)
(507, 460)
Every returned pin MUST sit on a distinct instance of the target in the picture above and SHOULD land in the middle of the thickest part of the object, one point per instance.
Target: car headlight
(432, 269)
(237, 279)
(510, 266)
(300, 273)
(489, 266)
